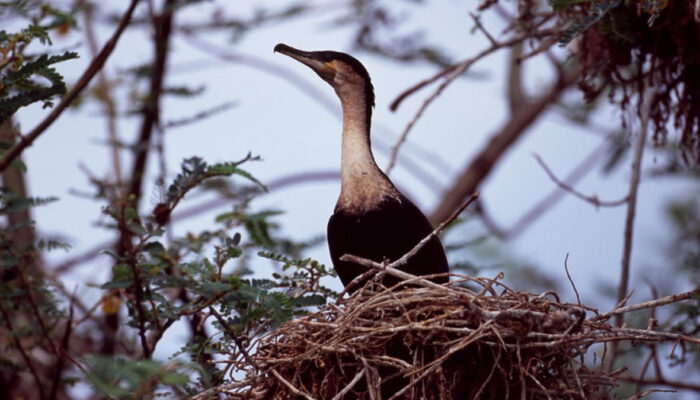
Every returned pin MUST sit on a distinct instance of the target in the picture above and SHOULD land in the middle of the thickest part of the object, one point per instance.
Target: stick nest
(471, 338)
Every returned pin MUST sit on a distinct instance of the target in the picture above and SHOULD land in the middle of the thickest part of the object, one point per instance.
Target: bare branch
(566, 268)
(590, 199)
(674, 298)
(543, 205)
(447, 71)
(404, 259)
(486, 33)
(105, 96)
(648, 98)
(291, 387)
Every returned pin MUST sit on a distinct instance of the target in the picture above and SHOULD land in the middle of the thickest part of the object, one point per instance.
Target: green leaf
(277, 306)
(118, 284)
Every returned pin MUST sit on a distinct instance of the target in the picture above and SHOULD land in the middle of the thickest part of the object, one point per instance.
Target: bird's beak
(312, 59)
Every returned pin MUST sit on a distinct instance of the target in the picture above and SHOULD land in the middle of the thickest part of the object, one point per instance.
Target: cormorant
(372, 219)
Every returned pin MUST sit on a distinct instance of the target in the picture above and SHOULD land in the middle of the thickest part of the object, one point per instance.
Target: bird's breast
(364, 191)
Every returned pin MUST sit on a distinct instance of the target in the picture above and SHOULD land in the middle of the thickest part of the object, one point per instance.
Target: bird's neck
(363, 184)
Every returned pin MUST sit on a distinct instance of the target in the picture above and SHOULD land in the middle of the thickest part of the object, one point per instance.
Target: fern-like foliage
(27, 80)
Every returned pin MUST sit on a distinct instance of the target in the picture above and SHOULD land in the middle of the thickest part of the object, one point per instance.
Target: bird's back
(386, 232)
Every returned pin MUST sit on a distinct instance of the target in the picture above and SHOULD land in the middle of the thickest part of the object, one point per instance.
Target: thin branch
(350, 385)
(543, 205)
(648, 98)
(37, 313)
(447, 71)
(451, 73)
(648, 304)
(105, 88)
(483, 30)
(590, 199)
(25, 357)
(291, 387)
(92, 69)
(162, 25)
(234, 337)
(60, 361)
(662, 382)
(566, 268)
(404, 259)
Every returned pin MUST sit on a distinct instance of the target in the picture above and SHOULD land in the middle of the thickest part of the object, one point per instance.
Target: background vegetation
(196, 288)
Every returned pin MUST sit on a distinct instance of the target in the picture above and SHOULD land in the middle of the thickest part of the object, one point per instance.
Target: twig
(648, 98)
(648, 304)
(234, 337)
(25, 357)
(391, 268)
(104, 86)
(590, 199)
(648, 392)
(420, 85)
(404, 259)
(662, 382)
(648, 335)
(60, 360)
(350, 385)
(37, 313)
(162, 25)
(451, 74)
(92, 69)
(545, 203)
(290, 386)
(486, 33)
(566, 268)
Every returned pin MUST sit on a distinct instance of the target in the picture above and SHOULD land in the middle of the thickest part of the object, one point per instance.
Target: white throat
(363, 185)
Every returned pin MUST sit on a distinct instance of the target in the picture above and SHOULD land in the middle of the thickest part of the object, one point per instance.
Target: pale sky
(293, 133)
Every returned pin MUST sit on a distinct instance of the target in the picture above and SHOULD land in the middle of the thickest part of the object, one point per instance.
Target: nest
(473, 338)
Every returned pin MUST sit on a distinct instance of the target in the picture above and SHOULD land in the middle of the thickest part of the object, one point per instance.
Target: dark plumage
(372, 219)
(384, 233)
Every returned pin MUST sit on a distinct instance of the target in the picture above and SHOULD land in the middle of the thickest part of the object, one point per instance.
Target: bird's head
(342, 71)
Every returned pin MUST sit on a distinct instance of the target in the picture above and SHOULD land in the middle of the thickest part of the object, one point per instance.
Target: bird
(372, 218)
